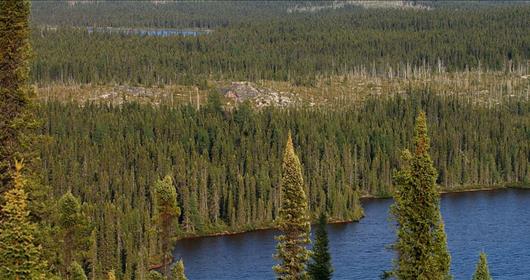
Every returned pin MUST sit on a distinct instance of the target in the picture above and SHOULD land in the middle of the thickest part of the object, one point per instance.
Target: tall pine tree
(320, 268)
(166, 215)
(421, 246)
(482, 272)
(293, 220)
(20, 257)
(18, 124)
(15, 115)
(69, 218)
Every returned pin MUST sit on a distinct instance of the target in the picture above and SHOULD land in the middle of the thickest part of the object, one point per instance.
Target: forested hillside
(116, 182)
(226, 164)
(167, 14)
(268, 47)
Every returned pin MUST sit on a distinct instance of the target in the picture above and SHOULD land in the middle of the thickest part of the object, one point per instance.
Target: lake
(497, 222)
(159, 32)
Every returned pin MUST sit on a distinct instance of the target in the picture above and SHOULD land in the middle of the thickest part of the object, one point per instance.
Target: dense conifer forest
(103, 190)
(171, 14)
(268, 46)
(226, 165)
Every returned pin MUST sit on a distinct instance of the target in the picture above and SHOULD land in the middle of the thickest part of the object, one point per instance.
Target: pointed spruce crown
(421, 139)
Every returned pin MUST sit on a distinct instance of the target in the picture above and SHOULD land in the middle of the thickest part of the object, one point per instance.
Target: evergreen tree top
(16, 206)
(69, 210)
(178, 271)
(166, 197)
(20, 256)
(482, 271)
(422, 243)
(293, 219)
(421, 138)
(294, 200)
(289, 150)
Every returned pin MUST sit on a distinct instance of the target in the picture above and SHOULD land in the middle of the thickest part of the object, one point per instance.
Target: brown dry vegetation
(485, 88)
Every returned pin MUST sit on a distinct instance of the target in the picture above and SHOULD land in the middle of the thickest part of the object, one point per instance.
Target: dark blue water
(148, 32)
(497, 222)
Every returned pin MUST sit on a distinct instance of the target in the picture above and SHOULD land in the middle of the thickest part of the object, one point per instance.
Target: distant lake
(497, 222)
(160, 32)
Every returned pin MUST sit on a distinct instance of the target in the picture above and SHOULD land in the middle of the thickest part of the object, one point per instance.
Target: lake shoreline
(263, 228)
(482, 220)
(363, 198)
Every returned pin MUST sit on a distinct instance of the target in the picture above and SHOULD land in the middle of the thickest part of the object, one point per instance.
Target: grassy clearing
(484, 88)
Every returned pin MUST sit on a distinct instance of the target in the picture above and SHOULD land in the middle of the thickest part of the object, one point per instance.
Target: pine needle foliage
(293, 220)
(166, 215)
(421, 246)
(320, 267)
(482, 271)
(20, 257)
(16, 117)
(177, 272)
(69, 218)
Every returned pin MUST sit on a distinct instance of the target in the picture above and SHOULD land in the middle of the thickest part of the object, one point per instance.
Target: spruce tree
(166, 215)
(482, 272)
(69, 219)
(15, 115)
(320, 267)
(77, 272)
(177, 272)
(421, 246)
(293, 220)
(18, 124)
(20, 257)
